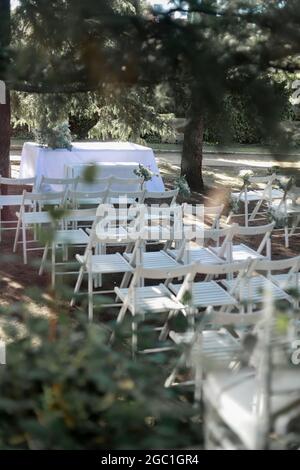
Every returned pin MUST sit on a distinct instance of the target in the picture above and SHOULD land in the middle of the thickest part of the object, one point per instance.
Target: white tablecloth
(38, 161)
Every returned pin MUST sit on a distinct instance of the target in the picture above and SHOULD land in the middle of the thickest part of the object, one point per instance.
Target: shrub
(73, 391)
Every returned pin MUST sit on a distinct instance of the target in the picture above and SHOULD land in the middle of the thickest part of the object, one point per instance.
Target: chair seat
(289, 208)
(105, 264)
(203, 255)
(151, 299)
(240, 252)
(112, 234)
(219, 345)
(233, 396)
(71, 237)
(11, 200)
(251, 196)
(38, 217)
(287, 282)
(256, 195)
(89, 201)
(154, 259)
(207, 293)
(253, 291)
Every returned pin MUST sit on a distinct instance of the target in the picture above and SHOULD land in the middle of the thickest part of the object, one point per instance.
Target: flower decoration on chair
(245, 175)
(145, 173)
(234, 205)
(285, 183)
(278, 216)
(55, 137)
(183, 187)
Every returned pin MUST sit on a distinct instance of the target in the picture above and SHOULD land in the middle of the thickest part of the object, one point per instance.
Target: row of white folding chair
(80, 184)
(245, 288)
(111, 196)
(12, 200)
(206, 346)
(36, 201)
(260, 196)
(170, 298)
(100, 263)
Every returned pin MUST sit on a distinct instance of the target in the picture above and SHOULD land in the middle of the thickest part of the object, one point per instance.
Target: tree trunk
(191, 163)
(5, 134)
(5, 129)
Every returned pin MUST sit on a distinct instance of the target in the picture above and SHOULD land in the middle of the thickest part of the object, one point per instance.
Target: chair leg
(53, 261)
(17, 235)
(0, 225)
(45, 254)
(24, 242)
(120, 318)
(90, 296)
(77, 286)
(134, 338)
(246, 213)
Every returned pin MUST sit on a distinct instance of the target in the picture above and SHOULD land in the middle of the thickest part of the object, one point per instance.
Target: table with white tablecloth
(43, 161)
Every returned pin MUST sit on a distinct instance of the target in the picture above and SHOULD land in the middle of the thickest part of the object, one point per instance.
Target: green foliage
(182, 185)
(71, 390)
(240, 120)
(56, 137)
(113, 113)
(144, 172)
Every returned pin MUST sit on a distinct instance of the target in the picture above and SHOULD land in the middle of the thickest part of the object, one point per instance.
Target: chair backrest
(85, 197)
(227, 233)
(155, 197)
(269, 179)
(265, 230)
(214, 213)
(125, 184)
(164, 223)
(17, 181)
(125, 197)
(42, 199)
(64, 183)
(292, 265)
(80, 215)
(222, 269)
(97, 184)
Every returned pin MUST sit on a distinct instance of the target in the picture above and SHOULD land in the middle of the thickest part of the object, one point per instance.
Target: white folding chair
(67, 238)
(246, 195)
(288, 278)
(12, 200)
(211, 346)
(95, 263)
(154, 299)
(255, 409)
(35, 218)
(252, 292)
(240, 251)
(188, 253)
(288, 208)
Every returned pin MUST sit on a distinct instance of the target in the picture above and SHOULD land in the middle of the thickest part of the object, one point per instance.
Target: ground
(16, 278)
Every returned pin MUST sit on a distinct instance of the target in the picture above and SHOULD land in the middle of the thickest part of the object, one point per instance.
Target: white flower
(246, 173)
